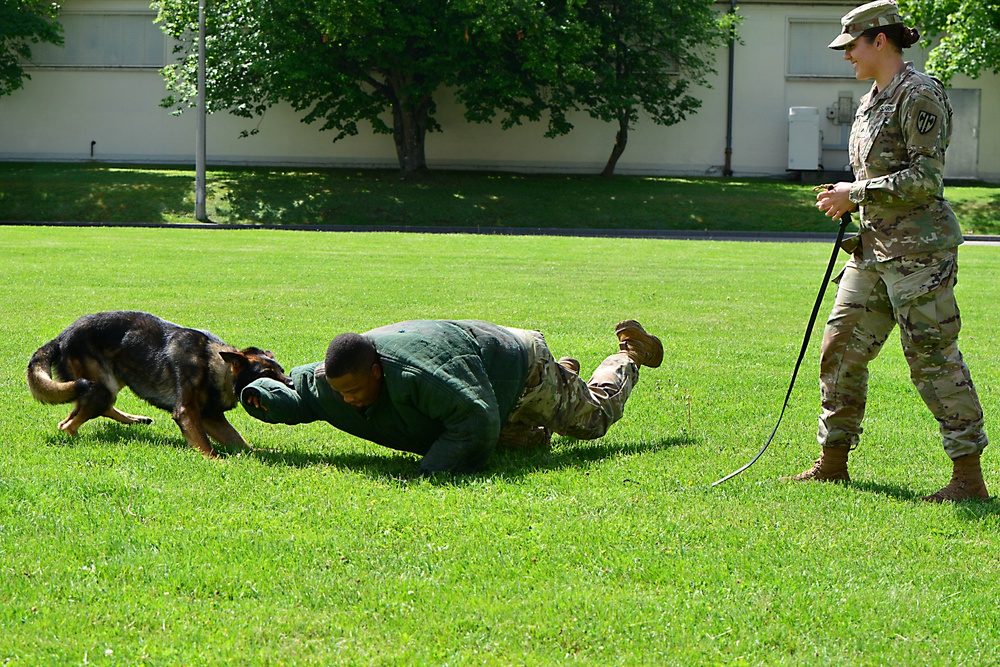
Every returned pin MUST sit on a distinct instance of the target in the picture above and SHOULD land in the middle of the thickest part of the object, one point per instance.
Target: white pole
(199, 156)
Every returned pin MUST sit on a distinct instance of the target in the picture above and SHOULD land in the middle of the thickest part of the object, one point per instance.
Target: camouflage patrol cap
(873, 15)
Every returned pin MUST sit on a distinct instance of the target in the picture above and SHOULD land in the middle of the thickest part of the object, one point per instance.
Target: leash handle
(845, 220)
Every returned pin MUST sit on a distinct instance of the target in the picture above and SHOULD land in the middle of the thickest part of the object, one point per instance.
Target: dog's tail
(40, 382)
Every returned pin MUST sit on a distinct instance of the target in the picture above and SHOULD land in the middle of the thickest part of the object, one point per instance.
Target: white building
(98, 99)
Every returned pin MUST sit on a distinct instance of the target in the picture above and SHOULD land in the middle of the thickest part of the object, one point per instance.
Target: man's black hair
(348, 354)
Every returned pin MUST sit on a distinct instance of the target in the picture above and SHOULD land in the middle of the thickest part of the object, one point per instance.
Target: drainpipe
(199, 152)
(727, 169)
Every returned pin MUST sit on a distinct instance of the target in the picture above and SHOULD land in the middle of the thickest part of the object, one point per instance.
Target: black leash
(844, 221)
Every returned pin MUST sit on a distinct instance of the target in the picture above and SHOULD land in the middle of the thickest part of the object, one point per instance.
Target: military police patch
(926, 121)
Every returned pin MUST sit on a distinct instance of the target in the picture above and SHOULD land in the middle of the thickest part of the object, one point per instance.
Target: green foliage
(537, 50)
(647, 55)
(23, 23)
(123, 546)
(341, 63)
(970, 35)
(382, 62)
(614, 59)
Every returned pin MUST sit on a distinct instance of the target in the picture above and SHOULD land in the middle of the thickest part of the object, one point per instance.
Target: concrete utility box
(804, 139)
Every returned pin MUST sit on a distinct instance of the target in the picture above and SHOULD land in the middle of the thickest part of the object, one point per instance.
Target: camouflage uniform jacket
(449, 387)
(897, 148)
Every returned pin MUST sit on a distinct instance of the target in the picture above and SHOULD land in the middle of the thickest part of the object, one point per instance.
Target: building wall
(64, 114)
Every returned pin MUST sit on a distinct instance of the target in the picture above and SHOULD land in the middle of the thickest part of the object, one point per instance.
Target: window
(105, 39)
(808, 55)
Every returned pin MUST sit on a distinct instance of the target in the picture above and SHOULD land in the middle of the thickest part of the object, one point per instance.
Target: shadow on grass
(980, 217)
(111, 432)
(92, 193)
(487, 200)
(275, 198)
(976, 510)
(388, 466)
(890, 490)
(969, 509)
(69, 192)
(509, 464)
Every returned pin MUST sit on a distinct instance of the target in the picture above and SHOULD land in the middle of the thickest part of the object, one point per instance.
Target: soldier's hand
(252, 398)
(835, 200)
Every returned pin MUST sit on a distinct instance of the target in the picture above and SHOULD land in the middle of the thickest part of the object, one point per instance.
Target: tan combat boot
(966, 482)
(830, 467)
(570, 364)
(642, 348)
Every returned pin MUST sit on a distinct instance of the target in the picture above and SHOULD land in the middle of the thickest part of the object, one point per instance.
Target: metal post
(727, 169)
(199, 153)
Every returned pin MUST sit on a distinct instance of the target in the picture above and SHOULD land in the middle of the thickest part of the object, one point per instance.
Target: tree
(23, 23)
(646, 56)
(341, 62)
(613, 59)
(534, 55)
(970, 29)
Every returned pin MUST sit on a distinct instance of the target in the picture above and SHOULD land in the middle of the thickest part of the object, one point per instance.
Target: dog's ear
(235, 359)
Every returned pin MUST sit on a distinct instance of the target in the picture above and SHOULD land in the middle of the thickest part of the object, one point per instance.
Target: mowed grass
(124, 546)
(343, 197)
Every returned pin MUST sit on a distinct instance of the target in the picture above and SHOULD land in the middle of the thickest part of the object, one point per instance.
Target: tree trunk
(409, 130)
(621, 139)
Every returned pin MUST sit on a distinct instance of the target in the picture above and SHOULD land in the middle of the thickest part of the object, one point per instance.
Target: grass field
(124, 547)
(119, 193)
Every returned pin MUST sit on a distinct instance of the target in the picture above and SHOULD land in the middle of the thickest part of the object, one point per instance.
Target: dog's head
(253, 363)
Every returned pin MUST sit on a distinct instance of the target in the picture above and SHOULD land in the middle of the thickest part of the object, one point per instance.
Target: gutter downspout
(727, 169)
(199, 153)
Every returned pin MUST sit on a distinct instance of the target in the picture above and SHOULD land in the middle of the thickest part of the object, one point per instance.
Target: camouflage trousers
(915, 292)
(556, 399)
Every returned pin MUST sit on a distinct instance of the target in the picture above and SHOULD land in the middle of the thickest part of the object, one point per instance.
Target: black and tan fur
(187, 372)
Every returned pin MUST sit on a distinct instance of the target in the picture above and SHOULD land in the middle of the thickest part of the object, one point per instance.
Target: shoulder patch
(926, 121)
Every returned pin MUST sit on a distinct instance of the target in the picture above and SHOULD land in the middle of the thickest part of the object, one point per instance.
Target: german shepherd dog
(188, 372)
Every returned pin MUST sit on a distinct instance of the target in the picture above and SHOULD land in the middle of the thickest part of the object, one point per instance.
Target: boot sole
(570, 363)
(630, 329)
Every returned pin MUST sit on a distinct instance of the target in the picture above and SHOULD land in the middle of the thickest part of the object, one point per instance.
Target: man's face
(359, 389)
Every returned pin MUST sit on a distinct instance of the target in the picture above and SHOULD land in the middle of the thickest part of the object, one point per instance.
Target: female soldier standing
(903, 269)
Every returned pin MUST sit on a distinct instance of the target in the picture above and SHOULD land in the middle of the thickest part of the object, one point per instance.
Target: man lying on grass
(452, 390)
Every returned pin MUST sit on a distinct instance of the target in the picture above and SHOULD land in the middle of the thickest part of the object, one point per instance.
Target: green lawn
(123, 546)
(109, 193)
